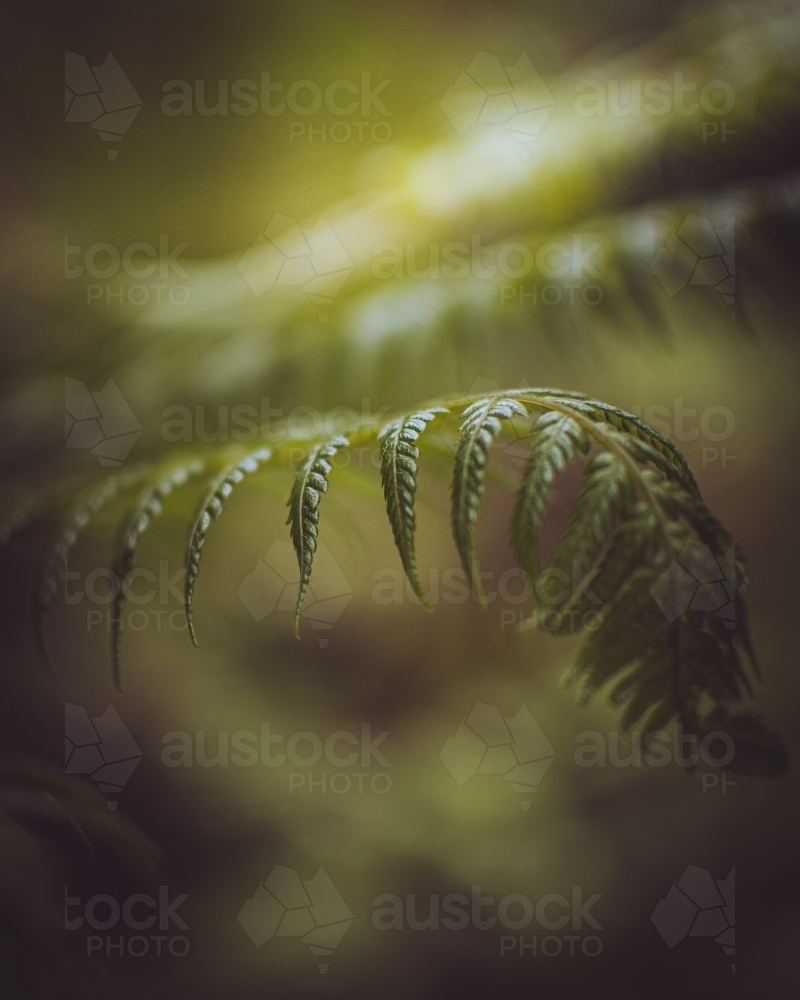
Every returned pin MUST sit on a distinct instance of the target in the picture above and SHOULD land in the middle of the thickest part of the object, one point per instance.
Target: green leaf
(399, 454)
(634, 427)
(557, 440)
(480, 424)
(208, 510)
(72, 524)
(147, 507)
(633, 544)
(310, 482)
(632, 625)
(607, 489)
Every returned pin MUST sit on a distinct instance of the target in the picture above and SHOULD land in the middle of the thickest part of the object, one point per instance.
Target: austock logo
(699, 906)
(140, 912)
(699, 254)
(696, 580)
(488, 93)
(312, 910)
(138, 261)
(514, 912)
(304, 98)
(100, 747)
(100, 421)
(311, 258)
(515, 748)
(343, 749)
(99, 96)
(274, 583)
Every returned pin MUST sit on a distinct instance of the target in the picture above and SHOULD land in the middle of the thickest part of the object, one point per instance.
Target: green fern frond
(606, 492)
(310, 482)
(399, 455)
(638, 522)
(480, 425)
(147, 507)
(630, 626)
(77, 517)
(633, 543)
(209, 509)
(635, 431)
(557, 440)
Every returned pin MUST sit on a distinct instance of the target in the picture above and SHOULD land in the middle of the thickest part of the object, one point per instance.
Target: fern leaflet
(310, 482)
(480, 425)
(209, 510)
(399, 454)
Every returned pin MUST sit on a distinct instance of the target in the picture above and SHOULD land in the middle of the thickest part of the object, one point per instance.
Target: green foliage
(557, 440)
(480, 424)
(638, 511)
(147, 506)
(606, 493)
(399, 454)
(87, 504)
(310, 483)
(209, 510)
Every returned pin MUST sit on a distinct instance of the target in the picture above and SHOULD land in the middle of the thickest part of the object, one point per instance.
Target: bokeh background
(719, 374)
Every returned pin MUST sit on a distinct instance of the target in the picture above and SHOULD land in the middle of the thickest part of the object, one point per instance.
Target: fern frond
(310, 482)
(606, 491)
(634, 543)
(147, 507)
(399, 454)
(209, 509)
(632, 624)
(74, 521)
(639, 533)
(668, 458)
(708, 528)
(480, 424)
(557, 440)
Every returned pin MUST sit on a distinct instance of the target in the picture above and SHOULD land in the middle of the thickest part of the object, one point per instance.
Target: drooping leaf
(643, 451)
(147, 506)
(399, 454)
(209, 510)
(607, 490)
(72, 524)
(633, 544)
(480, 424)
(627, 631)
(557, 440)
(633, 426)
(310, 482)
